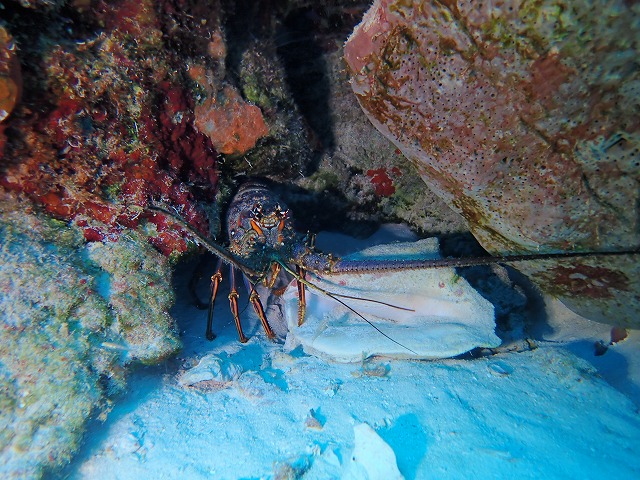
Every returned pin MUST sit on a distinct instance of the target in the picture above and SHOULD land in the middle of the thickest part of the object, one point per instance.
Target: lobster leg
(233, 304)
(302, 300)
(270, 280)
(257, 306)
(215, 283)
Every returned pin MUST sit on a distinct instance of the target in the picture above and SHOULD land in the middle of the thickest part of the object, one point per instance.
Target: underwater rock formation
(72, 315)
(106, 120)
(524, 118)
(366, 178)
(286, 150)
(113, 103)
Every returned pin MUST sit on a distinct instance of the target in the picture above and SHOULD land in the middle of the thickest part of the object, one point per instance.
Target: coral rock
(232, 125)
(111, 128)
(524, 118)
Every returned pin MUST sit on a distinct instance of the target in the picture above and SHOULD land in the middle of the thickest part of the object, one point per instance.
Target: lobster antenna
(208, 244)
(351, 266)
(371, 300)
(331, 295)
(335, 296)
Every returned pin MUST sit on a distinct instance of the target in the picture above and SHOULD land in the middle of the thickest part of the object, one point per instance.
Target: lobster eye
(256, 211)
(281, 213)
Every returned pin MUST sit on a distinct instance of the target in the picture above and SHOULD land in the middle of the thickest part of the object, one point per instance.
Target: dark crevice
(244, 21)
(306, 73)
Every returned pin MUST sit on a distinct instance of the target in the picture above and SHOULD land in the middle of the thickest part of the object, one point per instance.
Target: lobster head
(259, 226)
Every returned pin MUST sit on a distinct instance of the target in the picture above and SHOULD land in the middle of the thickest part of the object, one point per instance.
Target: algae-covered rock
(71, 317)
(286, 151)
(366, 175)
(136, 282)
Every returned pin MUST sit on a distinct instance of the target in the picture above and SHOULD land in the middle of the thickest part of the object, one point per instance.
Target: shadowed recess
(306, 73)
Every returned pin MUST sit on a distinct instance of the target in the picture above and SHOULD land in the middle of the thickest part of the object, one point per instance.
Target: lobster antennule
(209, 245)
(388, 265)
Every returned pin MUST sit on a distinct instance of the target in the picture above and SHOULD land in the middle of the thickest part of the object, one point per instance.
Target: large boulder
(524, 117)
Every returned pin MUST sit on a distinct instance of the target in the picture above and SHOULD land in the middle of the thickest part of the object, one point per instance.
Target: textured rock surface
(523, 117)
(69, 322)
(365, 175)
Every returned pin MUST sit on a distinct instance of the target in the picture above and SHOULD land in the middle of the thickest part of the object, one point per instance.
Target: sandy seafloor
(557, 411)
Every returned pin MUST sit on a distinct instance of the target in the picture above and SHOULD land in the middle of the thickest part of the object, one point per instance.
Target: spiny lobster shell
(259, 226)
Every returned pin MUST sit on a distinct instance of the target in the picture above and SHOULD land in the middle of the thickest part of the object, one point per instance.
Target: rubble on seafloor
(73, 315)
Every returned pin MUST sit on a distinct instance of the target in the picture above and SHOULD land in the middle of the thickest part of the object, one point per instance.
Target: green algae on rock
(286, 151)
(70, 322)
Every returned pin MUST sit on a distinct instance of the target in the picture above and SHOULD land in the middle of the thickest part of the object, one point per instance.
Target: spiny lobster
(262, 242)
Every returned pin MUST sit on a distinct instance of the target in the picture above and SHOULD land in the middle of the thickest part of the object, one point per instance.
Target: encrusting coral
(106, 121)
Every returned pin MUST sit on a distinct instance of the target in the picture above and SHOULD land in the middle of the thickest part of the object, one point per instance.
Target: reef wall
(72, 316)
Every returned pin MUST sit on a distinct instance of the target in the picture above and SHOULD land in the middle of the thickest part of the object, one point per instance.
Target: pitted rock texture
(524, 117)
